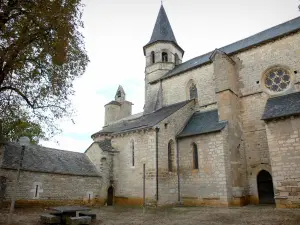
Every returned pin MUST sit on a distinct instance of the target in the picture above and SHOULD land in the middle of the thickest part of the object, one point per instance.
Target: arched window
(176, 59)
(170, 155)
(132, 153)
(193, 91)
(195, 156)
(152, 57)
(119, 94)
(164, 57)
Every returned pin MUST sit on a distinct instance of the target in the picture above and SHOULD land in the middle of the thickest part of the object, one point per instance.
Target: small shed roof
(203, 123)
(282, 106)
(41, 159)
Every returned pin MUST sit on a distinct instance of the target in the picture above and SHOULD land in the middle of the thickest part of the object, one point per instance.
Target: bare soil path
(254, 215)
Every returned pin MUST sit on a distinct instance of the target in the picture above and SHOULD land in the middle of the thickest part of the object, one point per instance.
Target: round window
(277, 79)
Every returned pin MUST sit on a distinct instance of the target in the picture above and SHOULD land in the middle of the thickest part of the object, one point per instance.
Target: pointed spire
(162, 30)
(120, 94)
(120, 88)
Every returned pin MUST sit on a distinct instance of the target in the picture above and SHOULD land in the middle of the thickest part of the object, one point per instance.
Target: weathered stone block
(79, 220)
(92, 215)
(50, 219)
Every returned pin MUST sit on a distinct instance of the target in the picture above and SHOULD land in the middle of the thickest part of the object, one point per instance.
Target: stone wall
(255, 61)
(175, 88)
(125, 110)
(284, 147)
(103, 161)
(128, 178)
(228, 102)
(53, 189)
(116, 112)
(209, 184)
(158, 48)
(252, 64)
(255, 140)
(112, 113)
(169, 128)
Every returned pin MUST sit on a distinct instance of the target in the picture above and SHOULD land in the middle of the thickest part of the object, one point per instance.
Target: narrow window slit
(36, 190)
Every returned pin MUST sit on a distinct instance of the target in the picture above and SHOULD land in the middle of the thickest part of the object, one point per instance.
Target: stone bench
(56, 213)
(92, 215)
(50, 219)
(79, 220)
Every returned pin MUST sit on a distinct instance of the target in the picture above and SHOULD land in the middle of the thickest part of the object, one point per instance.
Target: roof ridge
(210, 110)
(32, 146)
(281, 96)
(147, 120)
(260, 32)
(261, 37)
(177, 103)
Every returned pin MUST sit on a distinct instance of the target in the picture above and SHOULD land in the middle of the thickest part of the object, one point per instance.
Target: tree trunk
(1, 133)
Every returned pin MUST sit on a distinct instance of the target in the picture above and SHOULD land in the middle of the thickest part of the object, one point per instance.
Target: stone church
(220, 129)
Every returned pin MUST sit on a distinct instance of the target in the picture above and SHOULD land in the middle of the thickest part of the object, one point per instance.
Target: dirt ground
(258, 215)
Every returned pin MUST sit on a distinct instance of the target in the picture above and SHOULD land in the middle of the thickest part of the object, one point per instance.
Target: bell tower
(117, 109)
(162, 51)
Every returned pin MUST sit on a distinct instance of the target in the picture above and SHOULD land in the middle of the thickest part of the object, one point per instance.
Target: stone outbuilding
(48, 176)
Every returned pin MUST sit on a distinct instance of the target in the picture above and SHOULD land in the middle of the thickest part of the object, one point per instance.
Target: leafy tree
(41, 53)
(17, 128)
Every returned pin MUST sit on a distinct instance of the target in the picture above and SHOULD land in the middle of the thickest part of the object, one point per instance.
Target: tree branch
(2, 89)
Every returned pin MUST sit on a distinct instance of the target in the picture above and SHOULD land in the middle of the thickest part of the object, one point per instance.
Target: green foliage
(13, 130)
(41, 53)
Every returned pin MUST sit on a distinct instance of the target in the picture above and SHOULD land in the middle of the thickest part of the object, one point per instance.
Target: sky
(116, 30)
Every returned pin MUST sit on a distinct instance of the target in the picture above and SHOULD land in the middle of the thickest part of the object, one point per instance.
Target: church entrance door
(265, 188)
(110, 195)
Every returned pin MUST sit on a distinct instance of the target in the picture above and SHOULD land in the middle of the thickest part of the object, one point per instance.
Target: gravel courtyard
(264, 215)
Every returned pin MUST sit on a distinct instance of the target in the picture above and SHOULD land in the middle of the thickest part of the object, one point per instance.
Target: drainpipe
(156, 156)
(178, 175)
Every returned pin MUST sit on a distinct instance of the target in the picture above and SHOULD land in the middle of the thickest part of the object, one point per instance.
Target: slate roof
(145, 121)
(259, 38)
(203, 123)
(162, 30)
(121, 89)
(48, 160)
(105, 145)
(282, 106)
(114, 103)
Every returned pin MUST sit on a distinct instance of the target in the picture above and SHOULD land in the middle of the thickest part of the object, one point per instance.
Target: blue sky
(116, 31)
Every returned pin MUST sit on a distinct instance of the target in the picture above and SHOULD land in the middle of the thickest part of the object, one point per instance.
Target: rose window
(277, 80)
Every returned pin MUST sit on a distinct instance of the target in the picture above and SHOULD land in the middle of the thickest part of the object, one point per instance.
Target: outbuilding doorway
(110, 195)
(265, 188)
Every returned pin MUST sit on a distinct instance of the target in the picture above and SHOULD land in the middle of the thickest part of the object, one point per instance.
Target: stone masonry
(207, 185)
(53, 189)
(284, 147)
